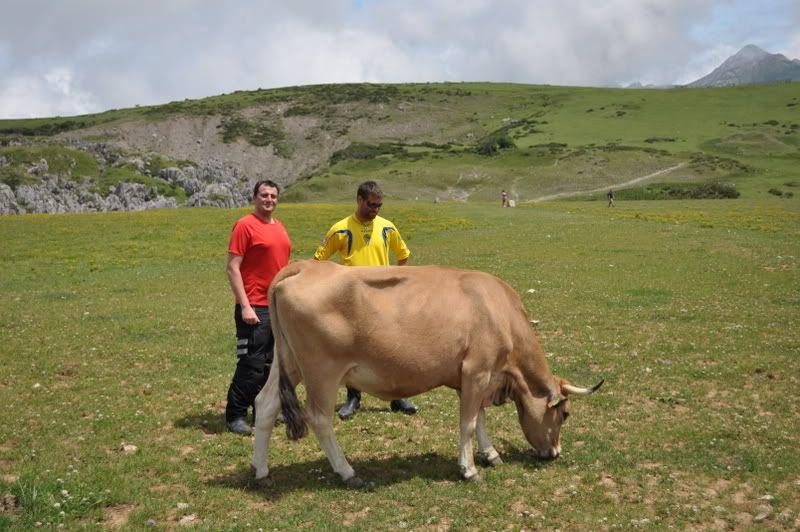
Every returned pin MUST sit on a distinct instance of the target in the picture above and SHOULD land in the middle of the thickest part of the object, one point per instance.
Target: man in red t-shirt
(259, 247)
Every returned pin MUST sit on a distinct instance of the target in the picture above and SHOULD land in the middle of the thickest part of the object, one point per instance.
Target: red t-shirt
(266, 248)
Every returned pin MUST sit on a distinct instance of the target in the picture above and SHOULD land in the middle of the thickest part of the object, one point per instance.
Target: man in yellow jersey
(364, 239)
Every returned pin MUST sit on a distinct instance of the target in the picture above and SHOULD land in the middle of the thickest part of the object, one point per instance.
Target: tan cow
(397, 332)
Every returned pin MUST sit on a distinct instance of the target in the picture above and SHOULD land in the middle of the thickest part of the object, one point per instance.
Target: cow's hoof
(490, 462)
(264, 482)
(355, 483)
(472, 476)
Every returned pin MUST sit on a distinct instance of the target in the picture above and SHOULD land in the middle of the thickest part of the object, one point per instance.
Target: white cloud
(48, 95)
(66, 57)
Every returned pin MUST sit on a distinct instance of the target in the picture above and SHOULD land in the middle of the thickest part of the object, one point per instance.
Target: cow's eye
(566, 415)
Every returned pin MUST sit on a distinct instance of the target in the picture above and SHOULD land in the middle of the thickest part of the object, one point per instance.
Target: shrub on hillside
(495, 143)
(44, 130)
(360, 151)
(14, 176)
(263, 132)
(668, 191)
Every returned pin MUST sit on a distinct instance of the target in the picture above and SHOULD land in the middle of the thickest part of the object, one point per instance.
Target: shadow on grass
(211, 422)
(208, 422)
(317, 475)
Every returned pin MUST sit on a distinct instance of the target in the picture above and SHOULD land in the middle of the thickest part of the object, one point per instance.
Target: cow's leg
(320, 403)
(486, 451)
(267, 406)
(466, 463)
(469, 408)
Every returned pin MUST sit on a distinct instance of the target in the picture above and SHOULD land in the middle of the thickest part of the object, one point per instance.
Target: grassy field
(569, 139)
(117, 349)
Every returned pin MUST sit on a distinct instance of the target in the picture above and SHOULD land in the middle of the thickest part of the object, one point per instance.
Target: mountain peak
(751, 65)
(750, 51)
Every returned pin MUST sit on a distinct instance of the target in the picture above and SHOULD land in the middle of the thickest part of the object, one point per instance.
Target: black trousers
(254, 350)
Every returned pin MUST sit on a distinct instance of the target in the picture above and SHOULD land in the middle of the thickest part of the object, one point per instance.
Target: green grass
(117, 331)
(61, 161)
(428, 140)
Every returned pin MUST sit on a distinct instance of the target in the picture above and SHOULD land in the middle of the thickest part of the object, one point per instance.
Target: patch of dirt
(517, 506)
(610, 485)
(350, 518)
(261, 506)
(8, 476)
(8, 504)
(117, 516)
(188, 520)
(742, 495)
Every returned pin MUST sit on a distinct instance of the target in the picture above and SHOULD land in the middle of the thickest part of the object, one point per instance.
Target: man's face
(368, 208)
(266, 200)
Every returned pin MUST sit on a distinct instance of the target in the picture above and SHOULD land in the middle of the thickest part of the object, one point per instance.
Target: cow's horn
(568, 388)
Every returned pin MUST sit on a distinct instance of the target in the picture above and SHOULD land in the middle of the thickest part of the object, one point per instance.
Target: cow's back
(396, 331)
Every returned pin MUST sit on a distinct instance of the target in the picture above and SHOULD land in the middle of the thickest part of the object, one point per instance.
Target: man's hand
(249, 315)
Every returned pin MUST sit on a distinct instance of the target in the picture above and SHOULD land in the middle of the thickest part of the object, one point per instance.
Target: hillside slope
(463, 141)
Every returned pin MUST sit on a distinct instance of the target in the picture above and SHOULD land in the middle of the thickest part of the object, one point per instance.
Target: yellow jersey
(363, 244)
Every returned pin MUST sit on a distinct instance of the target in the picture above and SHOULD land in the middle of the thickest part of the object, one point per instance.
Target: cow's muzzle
(550, 454)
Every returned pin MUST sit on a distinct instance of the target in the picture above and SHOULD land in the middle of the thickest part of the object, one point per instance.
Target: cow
(397, 332)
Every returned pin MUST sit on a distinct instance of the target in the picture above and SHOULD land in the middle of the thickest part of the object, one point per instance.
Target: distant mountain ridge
(750, 66)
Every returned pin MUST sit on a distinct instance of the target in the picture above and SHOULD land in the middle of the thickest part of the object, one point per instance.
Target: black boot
(240, 426)
(352, 404)
(403, 405)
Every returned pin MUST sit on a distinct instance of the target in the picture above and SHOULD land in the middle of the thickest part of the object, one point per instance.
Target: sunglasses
(372, 205)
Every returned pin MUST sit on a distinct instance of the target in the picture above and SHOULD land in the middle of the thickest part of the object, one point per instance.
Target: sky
(71, 57)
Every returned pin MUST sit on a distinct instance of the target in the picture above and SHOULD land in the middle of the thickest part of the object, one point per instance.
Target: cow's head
(541, 417)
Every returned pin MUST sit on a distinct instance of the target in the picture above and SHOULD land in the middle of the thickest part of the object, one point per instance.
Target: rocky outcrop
(209, 183)
(219, 195)
(8, 201)
(176, 176)
(59, 195)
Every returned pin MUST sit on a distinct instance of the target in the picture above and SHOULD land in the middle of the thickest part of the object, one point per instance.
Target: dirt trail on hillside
(616, 185)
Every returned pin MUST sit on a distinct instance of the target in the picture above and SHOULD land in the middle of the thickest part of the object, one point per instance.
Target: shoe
(403, 405)
(240, 426)
(348, 409)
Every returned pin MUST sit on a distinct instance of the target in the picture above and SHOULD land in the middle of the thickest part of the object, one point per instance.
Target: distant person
(504, 198)
(259, 247)
(610, 197)
(364, 239)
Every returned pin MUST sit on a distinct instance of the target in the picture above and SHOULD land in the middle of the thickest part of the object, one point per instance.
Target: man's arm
(399, 247)
(329, 246)
(237, 285)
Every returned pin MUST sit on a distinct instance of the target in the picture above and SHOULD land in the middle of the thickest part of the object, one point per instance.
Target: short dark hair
(269, 183)
(369, 187)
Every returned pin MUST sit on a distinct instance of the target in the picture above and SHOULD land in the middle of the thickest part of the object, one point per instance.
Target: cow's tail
(296, 426)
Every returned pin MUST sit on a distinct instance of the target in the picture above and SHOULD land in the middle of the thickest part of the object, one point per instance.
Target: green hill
(462, 141)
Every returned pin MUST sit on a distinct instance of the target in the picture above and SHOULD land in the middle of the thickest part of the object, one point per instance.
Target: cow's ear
(555, 400)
